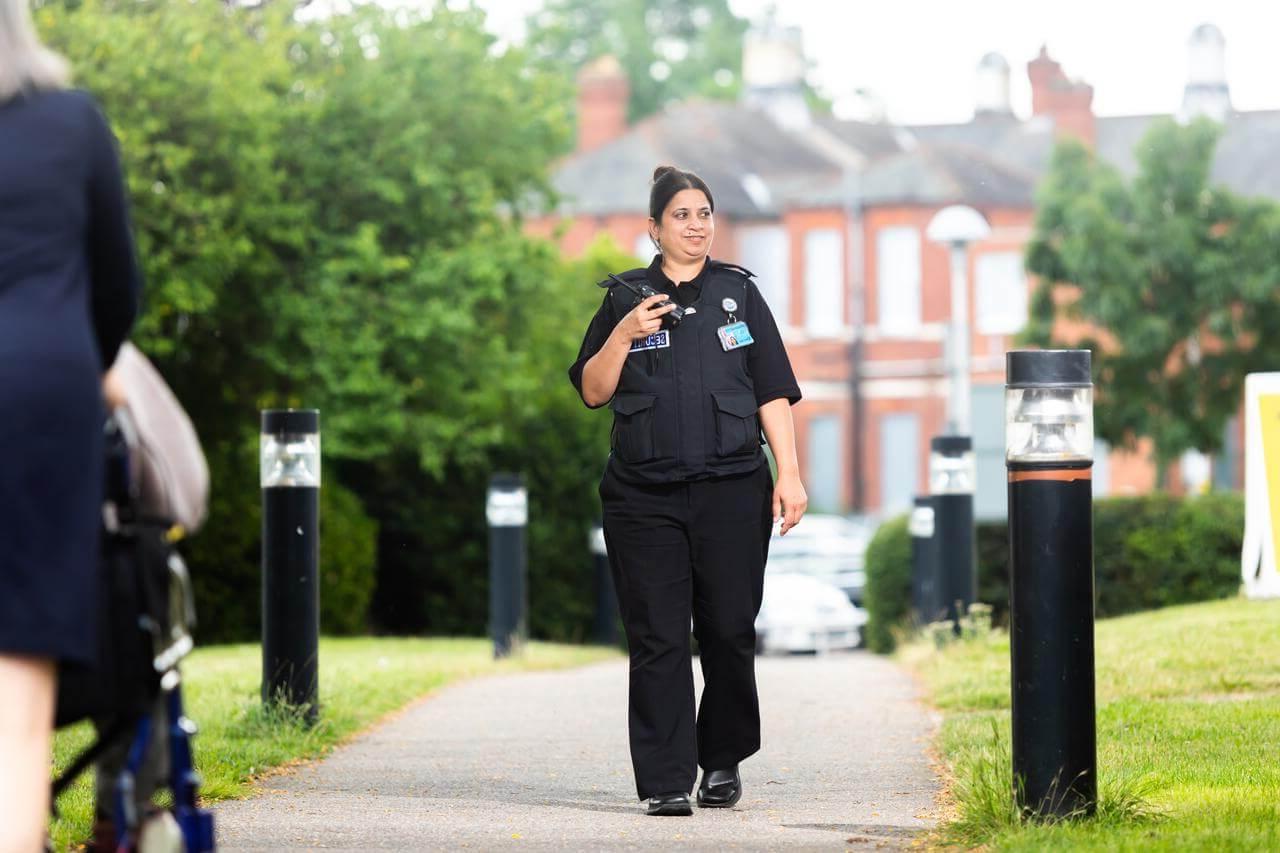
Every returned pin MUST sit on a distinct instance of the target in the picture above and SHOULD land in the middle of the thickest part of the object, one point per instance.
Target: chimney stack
(603, 93)
(1068, 102)
(992, 88)
(1206, 93)
(773, 68)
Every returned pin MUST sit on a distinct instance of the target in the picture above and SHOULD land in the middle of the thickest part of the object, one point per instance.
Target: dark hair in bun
(667, 181)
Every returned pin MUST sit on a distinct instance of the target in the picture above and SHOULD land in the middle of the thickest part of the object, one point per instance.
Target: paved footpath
(539, 761)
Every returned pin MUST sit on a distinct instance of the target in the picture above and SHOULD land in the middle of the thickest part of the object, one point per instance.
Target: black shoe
(670, 805)
(720, 789)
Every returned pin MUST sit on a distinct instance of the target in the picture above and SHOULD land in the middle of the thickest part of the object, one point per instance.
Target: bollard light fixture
(1049, 456)
(289, 466)
(925, 582)
(952, 467)
(289, 449)
(507, 512)
(1047, 424)
(604, 628)
(507, 504)
(952, 478)
(920, 522)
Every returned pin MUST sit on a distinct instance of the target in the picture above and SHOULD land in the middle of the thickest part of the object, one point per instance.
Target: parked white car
(801, 613)
(828, 547)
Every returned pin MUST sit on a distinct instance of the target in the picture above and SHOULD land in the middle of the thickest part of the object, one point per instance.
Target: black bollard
(605, 628)
(507, 510)
(952, 477)
(290, 479)
(926, 603)
(1049, 454)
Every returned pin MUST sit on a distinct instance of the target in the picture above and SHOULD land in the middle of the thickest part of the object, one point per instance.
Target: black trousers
(679, 551)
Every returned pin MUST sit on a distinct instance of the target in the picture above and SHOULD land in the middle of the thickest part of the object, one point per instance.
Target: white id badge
(734, 336)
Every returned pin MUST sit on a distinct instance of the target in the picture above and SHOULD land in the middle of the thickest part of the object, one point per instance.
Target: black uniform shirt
(767, 361)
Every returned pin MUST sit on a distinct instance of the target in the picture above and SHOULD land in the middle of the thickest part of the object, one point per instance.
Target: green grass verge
(361, 681)
(1188, 734)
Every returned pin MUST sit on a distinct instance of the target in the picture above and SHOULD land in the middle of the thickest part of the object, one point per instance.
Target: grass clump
(988, 808)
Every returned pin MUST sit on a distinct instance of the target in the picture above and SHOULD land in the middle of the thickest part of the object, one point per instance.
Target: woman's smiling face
(687, 227)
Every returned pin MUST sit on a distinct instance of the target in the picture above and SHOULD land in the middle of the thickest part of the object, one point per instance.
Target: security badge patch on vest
(658, 340)
(733, 335)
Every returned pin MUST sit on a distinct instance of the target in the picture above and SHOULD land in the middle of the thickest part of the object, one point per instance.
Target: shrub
(992, 546)
(1149, 551)
(887, 595)
(1189, 552)
(348, 561)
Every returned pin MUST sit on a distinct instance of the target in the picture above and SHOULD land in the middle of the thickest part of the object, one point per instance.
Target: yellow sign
(1261, 486)
(1269, 410)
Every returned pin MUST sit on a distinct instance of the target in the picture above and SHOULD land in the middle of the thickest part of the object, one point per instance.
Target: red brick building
(831, 216)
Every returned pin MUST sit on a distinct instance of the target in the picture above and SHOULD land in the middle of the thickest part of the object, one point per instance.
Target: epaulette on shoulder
(725, 265)
(637, 274)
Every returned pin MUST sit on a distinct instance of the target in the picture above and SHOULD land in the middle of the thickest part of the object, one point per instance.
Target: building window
(1001, 297)
(643, 248)
(826, 463)
(765, 251)
(823, 283)
(898, 281)
(899, 461)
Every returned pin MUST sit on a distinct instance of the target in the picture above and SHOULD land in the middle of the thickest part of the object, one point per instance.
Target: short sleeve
(597, 333)
(767, 359)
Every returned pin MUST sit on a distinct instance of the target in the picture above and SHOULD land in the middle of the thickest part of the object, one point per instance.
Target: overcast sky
(919, 56)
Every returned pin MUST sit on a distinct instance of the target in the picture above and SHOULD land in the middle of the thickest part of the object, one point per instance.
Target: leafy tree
(417, 287)
(436, 573)
(329, 214)
(1169, 279)
(670, 49)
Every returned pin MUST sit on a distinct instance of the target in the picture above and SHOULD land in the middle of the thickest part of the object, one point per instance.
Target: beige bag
(168, 465)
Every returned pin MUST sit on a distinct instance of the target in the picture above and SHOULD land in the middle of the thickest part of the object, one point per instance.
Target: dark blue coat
(69, 288)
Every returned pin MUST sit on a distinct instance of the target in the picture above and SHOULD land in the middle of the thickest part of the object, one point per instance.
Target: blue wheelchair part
(195, 823)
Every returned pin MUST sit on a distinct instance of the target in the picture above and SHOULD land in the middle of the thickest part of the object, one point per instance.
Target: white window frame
(766, 251)
(825, 471)
(886, 422)
(1000, 293)
(824, 279)
(899, 282)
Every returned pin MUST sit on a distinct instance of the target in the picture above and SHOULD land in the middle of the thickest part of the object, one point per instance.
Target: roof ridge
(973, 151)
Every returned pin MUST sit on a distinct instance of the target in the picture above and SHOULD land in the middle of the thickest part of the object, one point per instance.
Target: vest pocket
(737, 422)
(633, 439)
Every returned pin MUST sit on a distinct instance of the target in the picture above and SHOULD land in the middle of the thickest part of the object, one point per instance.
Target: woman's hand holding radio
(643, 320)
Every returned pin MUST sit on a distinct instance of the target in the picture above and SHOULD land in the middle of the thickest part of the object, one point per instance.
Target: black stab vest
(687, 411)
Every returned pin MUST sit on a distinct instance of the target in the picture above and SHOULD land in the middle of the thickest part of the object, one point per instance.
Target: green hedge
(887, 593)
(1149, 552)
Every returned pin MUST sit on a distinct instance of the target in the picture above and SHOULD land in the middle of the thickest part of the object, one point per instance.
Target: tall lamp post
(958, 226)
(952, 477)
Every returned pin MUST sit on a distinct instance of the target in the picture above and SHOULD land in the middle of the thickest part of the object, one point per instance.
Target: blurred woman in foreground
(69, 288)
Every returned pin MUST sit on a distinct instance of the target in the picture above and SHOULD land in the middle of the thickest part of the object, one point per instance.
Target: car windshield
(821, 546)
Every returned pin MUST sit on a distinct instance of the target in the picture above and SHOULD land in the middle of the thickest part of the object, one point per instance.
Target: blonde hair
(25, 64)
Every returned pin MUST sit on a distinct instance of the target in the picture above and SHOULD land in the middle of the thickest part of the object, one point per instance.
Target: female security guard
(688, 497)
